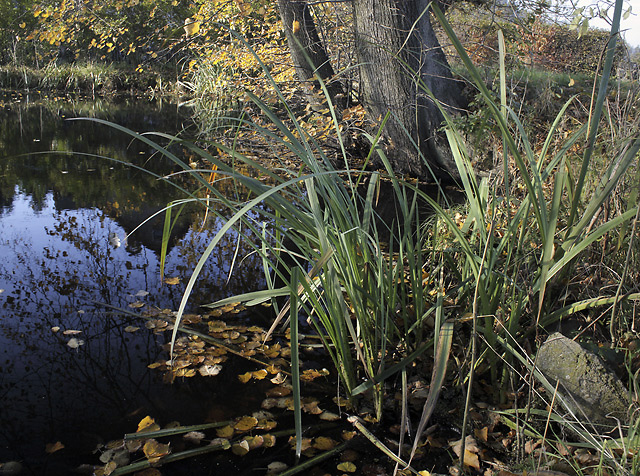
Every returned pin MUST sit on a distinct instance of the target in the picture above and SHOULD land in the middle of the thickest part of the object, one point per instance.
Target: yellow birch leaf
(269, 440)
(225, 432)
(347, 466)
(246, 423)
(244, 378)
(240, 449)
(147, 424)
(154, 450)
(260, 374)
(324, 443)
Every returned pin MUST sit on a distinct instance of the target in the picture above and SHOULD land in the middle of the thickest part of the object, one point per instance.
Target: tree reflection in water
(56, 260)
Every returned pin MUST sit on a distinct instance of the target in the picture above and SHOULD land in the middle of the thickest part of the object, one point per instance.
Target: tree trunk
(397, 49)
(309, 55)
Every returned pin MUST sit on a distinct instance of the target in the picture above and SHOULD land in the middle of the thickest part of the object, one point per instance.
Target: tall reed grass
(366, 286)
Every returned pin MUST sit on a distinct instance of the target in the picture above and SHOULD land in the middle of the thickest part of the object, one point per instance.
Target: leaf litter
(205, 354)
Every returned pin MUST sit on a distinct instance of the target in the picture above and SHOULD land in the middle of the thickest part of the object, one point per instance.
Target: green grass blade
(295, 364)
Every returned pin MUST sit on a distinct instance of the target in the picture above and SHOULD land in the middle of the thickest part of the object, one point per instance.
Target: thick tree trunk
(309, 55)
(397, 50)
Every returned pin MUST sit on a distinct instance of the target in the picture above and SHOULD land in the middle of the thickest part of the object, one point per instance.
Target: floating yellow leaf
(217, 326)
(269, 440)
(136, 305)
(185, 373)
(278, 392)
(110, 467)
(311, 374)
(225, 431)
(181, 363)
(260, 374)
(172, 281)
(131, 329)
(53, 447)
(264, 424)
(71, 332)
(254, 441)
(246, 423)
(147, 424)
(154, 450)
(324, 443)
(310, 405)
(348, 435)
(244, 378)
(222, 443)
(306, 443)
(347, 466)
(241, 448)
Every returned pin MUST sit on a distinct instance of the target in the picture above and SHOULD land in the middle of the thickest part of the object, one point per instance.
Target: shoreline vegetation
(459, 301)
(90, 79)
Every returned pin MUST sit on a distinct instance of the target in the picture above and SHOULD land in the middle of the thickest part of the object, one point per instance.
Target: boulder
(591, 391)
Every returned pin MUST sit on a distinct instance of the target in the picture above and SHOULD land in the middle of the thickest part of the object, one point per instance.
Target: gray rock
(591, 391)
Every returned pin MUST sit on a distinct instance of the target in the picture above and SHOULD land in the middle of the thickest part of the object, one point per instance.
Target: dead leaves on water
(241, 436)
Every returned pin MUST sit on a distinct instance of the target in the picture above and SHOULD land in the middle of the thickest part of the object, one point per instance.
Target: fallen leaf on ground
(471, 450)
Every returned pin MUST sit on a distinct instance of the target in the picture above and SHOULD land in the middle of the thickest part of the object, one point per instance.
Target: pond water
(69, 372)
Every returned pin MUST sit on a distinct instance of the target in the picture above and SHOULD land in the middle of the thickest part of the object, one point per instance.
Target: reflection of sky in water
(52, 264)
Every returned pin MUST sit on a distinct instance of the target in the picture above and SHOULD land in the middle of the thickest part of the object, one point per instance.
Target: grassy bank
(90, 78)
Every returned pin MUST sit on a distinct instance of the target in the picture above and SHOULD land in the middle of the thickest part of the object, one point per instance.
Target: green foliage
(517, 247)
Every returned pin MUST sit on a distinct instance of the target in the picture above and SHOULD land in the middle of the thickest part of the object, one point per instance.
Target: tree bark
(397, 50)
(308, 53)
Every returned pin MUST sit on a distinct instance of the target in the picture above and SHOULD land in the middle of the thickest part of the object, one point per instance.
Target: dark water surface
(62, 216)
